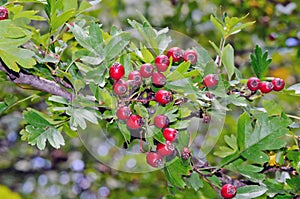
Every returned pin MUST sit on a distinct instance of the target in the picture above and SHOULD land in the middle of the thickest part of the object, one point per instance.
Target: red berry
(165, 149)
(154, 159)
(120, 87)
(162, 63)
(134, 122)
(163, 97)
(175, 53)
(228, 191)
(253, 83)
(116, 71)
(158, 79)
(278, 84)
(190, 55)
(136, 77)
(123, 113)
(210, 80)
(146, 70)
(161, 121)
(170, 134)
(3, 13)
(266, 87)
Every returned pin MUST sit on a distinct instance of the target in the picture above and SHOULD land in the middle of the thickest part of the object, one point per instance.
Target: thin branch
(36, 82)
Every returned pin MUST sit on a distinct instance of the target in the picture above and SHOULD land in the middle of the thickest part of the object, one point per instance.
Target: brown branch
(36, 82)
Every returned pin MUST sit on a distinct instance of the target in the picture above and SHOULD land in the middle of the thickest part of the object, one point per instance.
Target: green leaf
(224, 150)
(3, 107)
(141, 110)
(79, 115)
(194, 181)
(174, 170)
(61, 19)
(58, 99)
(244, 130)
(218, 24)
(36, 118)
(228, 60)
(182, 86)
(272, 107)
(178, 73)
(124, 131)
(295, 87)
(181, 124)
(235, 25)
(294, 183)
(249, 192)
(116, 44)
(260, 62)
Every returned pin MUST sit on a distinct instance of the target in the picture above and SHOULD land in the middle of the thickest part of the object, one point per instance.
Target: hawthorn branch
(36, 82)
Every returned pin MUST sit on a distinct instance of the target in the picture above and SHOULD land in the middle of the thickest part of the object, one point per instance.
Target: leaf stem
(22, 100)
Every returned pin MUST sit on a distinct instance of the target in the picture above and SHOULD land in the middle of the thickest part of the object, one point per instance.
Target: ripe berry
(3, 13)
(146, 70)
(190, 55)
(158, 79)
(123, 113)
(253, 83)
(154, 159)
(175, 53)
(136, 77)
(210, 80)
(165, 149)
(278, 84)
(266, 87)
(116, 71)
(134, 122)
(163, 97)
(228, 191)
(120, 87)
(162, 63)
(170, 134)
(161, 121)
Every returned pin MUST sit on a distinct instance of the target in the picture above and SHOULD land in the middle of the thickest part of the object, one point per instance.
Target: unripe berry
(165, 149)
(266, 87)
(278, 84)
(154, 159)
(228, 191)
(206, 119)
(161, 121)
(146, 70)
(190, 55)
(163, 97)
(170, 134)
(134, 122)
(116, 71)
(210, 80)
(253, 83)
(162, 63)
(120, 87)
(123, 113)
(136, 77)
(175, 53)
(185, 153)
(3, 13)
(158, 79)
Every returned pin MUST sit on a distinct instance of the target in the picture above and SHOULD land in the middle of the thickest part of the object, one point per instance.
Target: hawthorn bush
(157, 98)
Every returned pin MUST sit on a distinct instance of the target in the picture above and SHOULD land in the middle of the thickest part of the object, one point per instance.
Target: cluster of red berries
(228, 191)
(3, 13)
(254, 84)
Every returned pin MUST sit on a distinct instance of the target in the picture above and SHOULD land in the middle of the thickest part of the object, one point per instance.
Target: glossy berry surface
(253, 83)
(146, 70)
(161, 121)
(162, 63)
(3, 13)
(154, 159)
(134, 122)
(158, 79)
(116, 71)
(165, 149)
(210, 80)
(136, 77)
(120, 87)
(190, 55)
(123, 113)
(170, 134)
(266, 87)
(228, 191)
(278, 84)
(163, 97)
(175, 53)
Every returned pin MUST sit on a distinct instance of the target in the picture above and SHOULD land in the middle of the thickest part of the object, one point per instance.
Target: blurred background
(72, 172)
